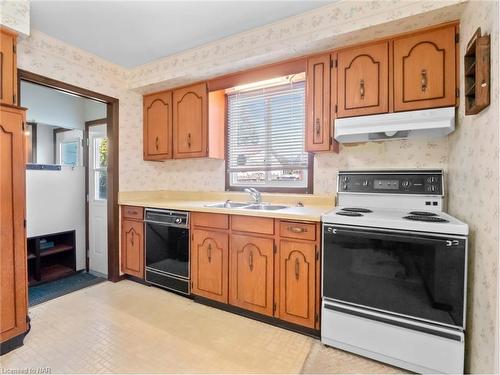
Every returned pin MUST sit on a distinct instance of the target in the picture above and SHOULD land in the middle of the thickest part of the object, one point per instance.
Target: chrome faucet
(255, 194)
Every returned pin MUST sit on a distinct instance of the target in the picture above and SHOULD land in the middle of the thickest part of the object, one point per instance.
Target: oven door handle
(452, 242)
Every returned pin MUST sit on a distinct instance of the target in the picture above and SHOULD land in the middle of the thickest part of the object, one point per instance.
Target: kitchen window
(265, 134)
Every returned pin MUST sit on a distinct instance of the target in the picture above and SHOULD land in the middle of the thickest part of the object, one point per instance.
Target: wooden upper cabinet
(13, 275)
(251, 273)
(190, 122)
(425, 69)
(318, 126)
(8, 67)
(297, 284)
(132, 248)
(209, 264)
(363, 80)
(158, 126)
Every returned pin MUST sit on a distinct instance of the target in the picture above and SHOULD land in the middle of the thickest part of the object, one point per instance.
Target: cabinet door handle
(209, 253)
(297, 268)
(423, 80)
(317, 127)
(156, 143)
(132, 239)
(250, 264)
(189, 140)
(362, 89)
(297, 229)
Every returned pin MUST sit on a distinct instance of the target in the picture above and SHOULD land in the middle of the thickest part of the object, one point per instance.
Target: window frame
(266, 189)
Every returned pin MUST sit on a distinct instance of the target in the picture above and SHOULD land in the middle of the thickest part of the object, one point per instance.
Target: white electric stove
(395, 271)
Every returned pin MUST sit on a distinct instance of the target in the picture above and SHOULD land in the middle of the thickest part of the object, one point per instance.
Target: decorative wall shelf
(477, 73)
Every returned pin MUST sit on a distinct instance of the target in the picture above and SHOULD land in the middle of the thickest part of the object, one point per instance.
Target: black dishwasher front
(167, 249)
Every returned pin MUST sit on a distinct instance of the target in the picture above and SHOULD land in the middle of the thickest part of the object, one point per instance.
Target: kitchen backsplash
(209, 175)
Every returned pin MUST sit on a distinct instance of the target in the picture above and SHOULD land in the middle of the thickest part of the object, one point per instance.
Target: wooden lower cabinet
(297, 283)
(274, 272)
(132, 247)
(209, 264)
(251, 272)
(13, 263)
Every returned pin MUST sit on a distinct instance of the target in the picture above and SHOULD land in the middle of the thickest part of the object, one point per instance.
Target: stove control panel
(428, 182)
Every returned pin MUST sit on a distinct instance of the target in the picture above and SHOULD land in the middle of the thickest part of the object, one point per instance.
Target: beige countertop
(314, 205)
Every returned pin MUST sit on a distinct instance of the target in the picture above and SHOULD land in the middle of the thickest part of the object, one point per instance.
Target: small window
(265, 136)
(100, 164)
(69, 152)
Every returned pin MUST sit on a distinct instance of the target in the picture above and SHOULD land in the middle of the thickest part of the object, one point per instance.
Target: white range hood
(428, 123)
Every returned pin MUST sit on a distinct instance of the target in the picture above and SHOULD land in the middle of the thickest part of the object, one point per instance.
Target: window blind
(266, 128)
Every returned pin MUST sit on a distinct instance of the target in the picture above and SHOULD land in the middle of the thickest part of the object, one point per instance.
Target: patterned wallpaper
(469, 147)
(474, 194)
(341, 23)
(15, 14)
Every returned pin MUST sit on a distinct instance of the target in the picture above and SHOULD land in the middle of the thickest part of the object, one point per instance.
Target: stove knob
(366, 183)
(345, 179)
(178, 220)
(406, 183)
(432, 188)
(345, 186)
(431, 180)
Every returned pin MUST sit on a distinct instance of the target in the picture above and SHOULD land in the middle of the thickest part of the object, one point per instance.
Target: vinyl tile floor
(127, 327)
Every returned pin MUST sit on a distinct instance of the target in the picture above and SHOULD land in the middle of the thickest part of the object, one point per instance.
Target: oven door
(421, 276)
(167, 249)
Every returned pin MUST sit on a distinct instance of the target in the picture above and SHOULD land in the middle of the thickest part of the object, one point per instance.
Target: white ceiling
(131, 33)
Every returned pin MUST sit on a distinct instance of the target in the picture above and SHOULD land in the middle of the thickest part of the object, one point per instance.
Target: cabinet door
(190, 127)
(298, 283)
(425, 70)
(363, 80)
(209, 265)
(13, 282)
(158, 126)
(318, 128)
(8, 68)
(132, 254)
(251, 273)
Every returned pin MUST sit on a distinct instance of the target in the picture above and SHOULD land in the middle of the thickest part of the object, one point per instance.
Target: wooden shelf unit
(53, 263)
(477, 73)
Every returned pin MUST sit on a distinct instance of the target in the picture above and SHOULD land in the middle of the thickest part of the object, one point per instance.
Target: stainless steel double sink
(247, 206)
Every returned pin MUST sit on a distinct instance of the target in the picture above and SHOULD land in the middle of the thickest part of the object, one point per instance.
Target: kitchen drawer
(202, 219)
(252, 224)
(301, 231)
(133, 212)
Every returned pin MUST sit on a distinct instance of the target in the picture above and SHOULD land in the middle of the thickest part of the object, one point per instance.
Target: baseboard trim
(262, 318)
(13, 343)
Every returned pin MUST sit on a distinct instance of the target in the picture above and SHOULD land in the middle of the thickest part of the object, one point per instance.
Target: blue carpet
(53, 289)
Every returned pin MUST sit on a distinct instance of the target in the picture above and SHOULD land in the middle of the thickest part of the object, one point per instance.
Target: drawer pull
(362, 88)
(423, 79)
(317, 127)
(209, 253)
(132, 212)
(156, 143)
(297, 268)
(250, 263)
(132, 239)
(297, 229)
(189, 140)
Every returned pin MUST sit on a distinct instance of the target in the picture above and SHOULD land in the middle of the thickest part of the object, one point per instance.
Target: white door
(97, 199)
